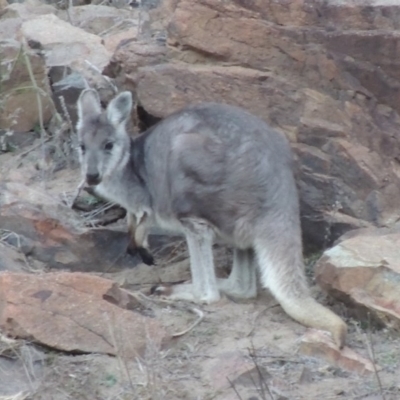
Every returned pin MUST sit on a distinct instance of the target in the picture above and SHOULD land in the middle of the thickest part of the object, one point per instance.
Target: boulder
(75, 312)
(324, 75)
(65, 44)
(363, 270)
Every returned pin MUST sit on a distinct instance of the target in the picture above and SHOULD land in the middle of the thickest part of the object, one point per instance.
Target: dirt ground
(239, 350)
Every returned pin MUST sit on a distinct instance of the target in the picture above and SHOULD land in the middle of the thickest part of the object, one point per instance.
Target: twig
(37, 91)
(371, 352)
(258, 315)
(253, 356)
(195, 323)
(173, 303)
(234, 389)
(17, 396)
(121, 361)
(69, 12)
(38, 99)
(66, 113)
(91, 214)
(116, 25)
(106, 78)
(32, 148)
(77, 193)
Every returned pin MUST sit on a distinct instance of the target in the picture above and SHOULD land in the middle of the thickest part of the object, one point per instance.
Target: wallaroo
(211, 172)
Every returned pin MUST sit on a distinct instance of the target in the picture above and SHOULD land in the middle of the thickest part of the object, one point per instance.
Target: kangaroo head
(103, 141)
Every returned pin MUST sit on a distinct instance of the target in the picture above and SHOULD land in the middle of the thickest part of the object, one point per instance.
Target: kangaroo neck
(136, 163)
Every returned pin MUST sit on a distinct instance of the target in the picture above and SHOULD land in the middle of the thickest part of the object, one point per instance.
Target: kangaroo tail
(310, 313)
(282, 271)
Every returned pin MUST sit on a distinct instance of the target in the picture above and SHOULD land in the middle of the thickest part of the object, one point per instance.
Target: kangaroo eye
(109, 146)
(83, 148)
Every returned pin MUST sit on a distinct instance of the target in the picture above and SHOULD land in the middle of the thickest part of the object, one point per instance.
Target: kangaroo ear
(88, 106)
(119, 109)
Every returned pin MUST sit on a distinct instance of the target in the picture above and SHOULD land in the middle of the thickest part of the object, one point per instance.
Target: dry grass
(17, 396)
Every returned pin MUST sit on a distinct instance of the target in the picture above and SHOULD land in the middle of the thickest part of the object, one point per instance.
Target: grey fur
(212, 172)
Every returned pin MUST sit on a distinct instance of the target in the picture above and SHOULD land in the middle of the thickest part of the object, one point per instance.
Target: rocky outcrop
(37, 37)
(324, 73)
(363, 270)
(75, 312)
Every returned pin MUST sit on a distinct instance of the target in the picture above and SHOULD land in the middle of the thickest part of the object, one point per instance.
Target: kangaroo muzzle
(93, 179)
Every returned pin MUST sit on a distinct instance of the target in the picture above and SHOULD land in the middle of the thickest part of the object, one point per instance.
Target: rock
(102, 20)
(228, 32)
(322, 75)
(319, 344)
(65, 44)
(113, 40)
(363, 271)
(129, 57)
(10, 29)
(47, 231)
(10, 258)
(19, 107)
(27, 10)
(71, 312)
(160, 94)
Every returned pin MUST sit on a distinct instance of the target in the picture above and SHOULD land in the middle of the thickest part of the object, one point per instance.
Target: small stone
(320, 345)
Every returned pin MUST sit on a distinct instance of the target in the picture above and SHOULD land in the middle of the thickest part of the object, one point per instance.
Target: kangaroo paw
(185, 292)
(143, 253)
(146, 256)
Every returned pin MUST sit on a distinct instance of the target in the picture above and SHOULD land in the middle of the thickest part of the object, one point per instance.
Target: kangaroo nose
(93, 179)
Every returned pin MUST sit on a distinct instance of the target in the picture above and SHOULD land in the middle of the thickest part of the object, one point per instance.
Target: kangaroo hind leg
(242, 281)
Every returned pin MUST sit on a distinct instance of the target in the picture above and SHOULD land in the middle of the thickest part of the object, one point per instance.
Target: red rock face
(75, 312)
(325, 74)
